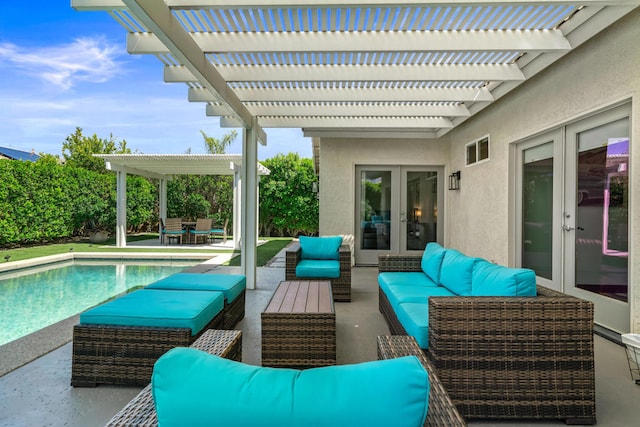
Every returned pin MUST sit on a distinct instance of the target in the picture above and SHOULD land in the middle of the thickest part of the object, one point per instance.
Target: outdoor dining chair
(202, 229)
(173, 229)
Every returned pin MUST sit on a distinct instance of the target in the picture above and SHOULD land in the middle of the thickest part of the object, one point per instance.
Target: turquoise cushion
(325, 247)
(432, 260)
(161, 308)
(399, 293)
(402, 293)
(194, 388)
(456, 272)
(495, 280)
(414, 318)
(318, 268)
(231, 285)
(409, 278)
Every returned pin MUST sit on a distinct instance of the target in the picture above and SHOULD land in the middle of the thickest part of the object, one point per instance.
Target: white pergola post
(249, 206)
(121, 209)
(162, 208)
(237, 214)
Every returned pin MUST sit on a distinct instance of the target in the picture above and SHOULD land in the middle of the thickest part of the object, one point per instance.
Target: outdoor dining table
(188, 226)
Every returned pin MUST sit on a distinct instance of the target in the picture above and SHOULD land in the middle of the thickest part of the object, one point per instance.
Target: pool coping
(19, 352)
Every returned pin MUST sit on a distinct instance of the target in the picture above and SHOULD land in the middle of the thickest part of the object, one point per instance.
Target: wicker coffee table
(141, 411)
(299, 326)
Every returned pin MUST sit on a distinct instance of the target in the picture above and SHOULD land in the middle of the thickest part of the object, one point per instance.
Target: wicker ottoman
(141, 410)
(299, 326)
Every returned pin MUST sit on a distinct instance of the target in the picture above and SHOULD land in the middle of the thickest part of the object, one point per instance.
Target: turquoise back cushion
(191, 387)
(432, 260)
(456, 272)
(495, 280)
(325, 247)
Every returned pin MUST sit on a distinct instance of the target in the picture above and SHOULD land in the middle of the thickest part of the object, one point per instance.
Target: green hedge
(44, 201)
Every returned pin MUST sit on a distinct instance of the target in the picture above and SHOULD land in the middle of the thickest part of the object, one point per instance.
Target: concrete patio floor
(39, 394)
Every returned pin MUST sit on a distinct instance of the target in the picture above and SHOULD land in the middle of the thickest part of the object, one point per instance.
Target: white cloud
(85, 59)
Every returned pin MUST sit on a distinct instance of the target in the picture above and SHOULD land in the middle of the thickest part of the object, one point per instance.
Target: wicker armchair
(509, 357)
(341, 287)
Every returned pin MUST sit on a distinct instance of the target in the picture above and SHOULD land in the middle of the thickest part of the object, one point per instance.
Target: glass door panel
(420, 213)
(375, 210)
(596, 216)
(601, 246)
(537, 210)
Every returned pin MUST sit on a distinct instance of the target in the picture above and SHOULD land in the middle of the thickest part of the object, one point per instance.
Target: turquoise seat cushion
(495, 280)
(456, 272)
(312, 268)
(231, 285)
(194, 388)
(160, 308)
(324, 247)
(414, 318)
(409, 278)
(432, 260)
(397, 294)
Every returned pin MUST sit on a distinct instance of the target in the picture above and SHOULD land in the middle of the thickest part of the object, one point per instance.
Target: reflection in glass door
(573, 208)
(597, 239)
(397, 210)
(420, 213)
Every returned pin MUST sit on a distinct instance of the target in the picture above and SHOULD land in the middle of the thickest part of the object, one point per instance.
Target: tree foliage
(288, 205)
(78, 150)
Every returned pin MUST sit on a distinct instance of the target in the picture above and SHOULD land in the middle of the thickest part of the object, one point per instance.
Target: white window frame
(476, 143)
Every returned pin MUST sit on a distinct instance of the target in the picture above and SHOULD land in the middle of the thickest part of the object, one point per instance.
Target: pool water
(34, 298)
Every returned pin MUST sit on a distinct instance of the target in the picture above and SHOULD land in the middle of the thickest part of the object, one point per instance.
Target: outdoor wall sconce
(454, 181)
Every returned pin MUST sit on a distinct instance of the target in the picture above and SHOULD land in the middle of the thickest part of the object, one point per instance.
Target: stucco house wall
(599, 74)
(338, 160)
(479, 217)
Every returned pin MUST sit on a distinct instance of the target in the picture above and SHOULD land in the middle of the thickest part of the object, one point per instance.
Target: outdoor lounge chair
(340, 285)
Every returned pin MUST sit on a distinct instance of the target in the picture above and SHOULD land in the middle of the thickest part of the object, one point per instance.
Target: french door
(396, 210)
(573, 211)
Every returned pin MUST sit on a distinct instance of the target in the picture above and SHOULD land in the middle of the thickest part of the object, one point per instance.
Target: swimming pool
(31, 299)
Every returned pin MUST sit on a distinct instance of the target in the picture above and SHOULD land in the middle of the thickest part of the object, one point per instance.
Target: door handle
(567, 227)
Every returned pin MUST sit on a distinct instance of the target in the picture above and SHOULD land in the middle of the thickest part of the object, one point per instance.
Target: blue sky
(61, 69)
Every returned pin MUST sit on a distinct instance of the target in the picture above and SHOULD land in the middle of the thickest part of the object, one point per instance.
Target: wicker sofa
(507, 357)
(340, 286)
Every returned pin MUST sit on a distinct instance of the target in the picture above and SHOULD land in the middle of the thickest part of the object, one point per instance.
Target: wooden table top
(302, 297)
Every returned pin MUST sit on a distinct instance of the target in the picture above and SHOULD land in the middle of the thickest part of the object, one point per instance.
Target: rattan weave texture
(124, 355)
(141, 411)
(441, 411)
(341, 286)
(509, 357)
(299, 326)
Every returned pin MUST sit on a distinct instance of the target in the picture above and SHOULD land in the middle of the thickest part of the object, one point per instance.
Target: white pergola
(164, 167)
(351, 68)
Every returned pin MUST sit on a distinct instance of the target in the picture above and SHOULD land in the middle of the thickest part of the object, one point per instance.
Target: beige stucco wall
(600, 73)
(338, 159)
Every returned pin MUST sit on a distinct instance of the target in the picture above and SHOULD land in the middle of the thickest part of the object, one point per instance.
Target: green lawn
(266, 251)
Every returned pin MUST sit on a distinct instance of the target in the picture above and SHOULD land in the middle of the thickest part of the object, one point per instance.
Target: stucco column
(121, 209)
(162, 205)
(249, 221)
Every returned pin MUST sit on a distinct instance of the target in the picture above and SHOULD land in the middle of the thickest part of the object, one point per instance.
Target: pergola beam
(250, 4)
(349, 109)
(371, 122)
(359, 72)
(360, 41)
(165, 27)
(358, 94)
